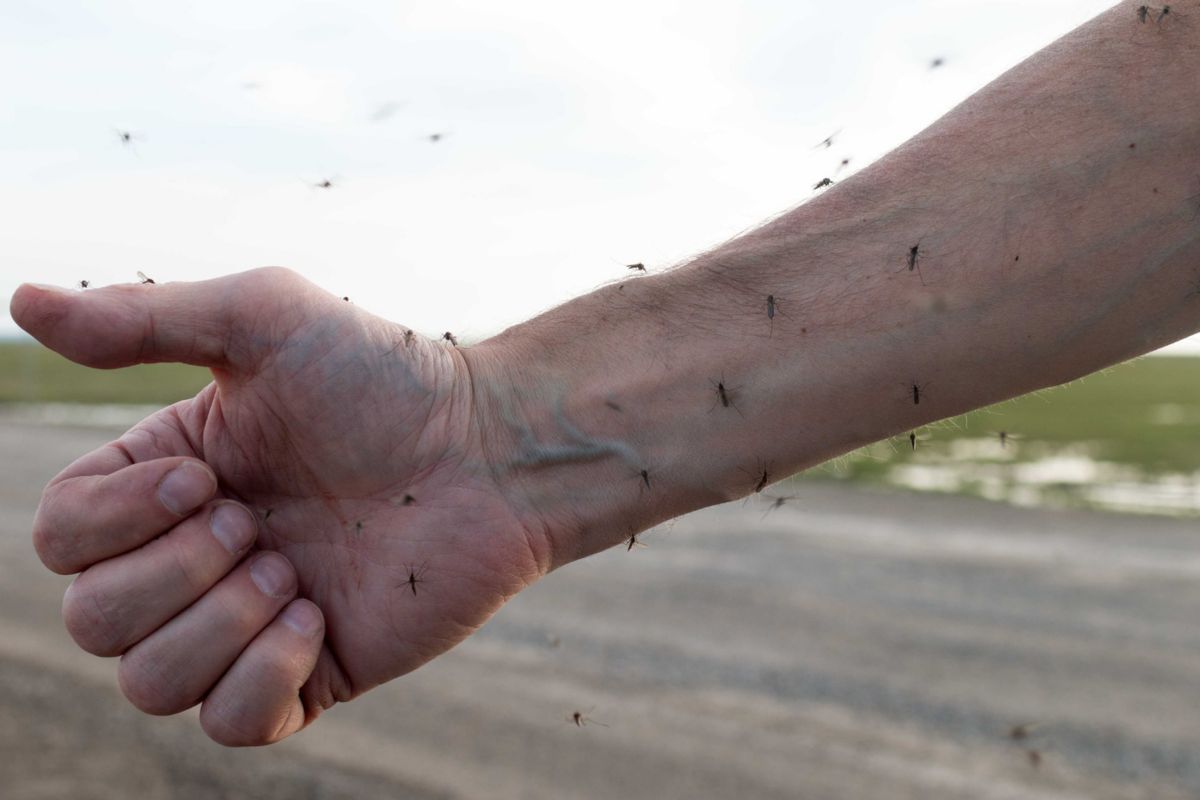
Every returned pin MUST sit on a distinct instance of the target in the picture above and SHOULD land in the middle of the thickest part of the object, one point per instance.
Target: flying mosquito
(581, 719)
(776, 503)
(827, 142)
(128, 138)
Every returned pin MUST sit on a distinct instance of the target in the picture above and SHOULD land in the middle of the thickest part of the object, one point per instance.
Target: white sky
(582, 137)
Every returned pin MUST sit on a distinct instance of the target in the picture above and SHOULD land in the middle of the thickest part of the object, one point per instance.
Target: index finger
(87, 518)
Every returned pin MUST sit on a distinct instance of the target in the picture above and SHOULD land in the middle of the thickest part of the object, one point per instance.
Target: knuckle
(146, 684)
(88, 623)
(187, 570)
(273, 276)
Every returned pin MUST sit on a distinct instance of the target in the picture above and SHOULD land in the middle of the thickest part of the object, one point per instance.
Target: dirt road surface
(851, 644)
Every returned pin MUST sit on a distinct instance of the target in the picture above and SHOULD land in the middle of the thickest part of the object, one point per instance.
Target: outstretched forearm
(1047, 227)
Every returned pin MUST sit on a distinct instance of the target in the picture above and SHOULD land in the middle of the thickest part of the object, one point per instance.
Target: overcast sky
(577, 137)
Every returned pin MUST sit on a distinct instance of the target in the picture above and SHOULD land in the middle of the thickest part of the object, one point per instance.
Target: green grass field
(1143, 413)
(29, 373)
(1135, 424)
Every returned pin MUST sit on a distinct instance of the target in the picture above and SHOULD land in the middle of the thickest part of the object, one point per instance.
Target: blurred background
(1001, 606)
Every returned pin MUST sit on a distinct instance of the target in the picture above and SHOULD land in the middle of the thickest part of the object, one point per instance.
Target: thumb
(203, 323)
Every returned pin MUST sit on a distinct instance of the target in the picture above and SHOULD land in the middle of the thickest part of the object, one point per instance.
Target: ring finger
(174, 667)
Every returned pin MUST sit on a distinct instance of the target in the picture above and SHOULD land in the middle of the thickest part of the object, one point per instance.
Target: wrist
(582, 430)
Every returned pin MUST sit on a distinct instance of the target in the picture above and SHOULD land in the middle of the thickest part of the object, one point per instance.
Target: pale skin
(400, 489)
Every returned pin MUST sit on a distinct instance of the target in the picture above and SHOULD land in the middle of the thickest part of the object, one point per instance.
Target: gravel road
(850, 644)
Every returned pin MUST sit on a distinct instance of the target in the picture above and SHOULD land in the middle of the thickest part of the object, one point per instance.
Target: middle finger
(116, 603)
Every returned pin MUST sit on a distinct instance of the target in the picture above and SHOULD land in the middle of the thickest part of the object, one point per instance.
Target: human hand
(318, 520)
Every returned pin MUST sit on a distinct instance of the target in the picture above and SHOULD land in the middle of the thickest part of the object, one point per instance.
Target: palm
(353, 440)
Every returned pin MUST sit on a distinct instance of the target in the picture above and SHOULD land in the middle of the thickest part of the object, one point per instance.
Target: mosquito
(449, 337)
(827, 142)
(415, 577)
(916, 389)
(638, 267)
(1023, 731)
(937, 62)
(408, 500)
(324, 184)
(142, 277)
(776, 503)
(761, 475)
(84, 284)
(914, 261)
(127, 138)
(1165, 10)
(821, 184)
(633, 542)
(914, 438)
(845, 163)
(644, 474)
(725, 395)
(762, 482)
(358, 527)
(408, 336)
(434, 138)
(581, 718)
(1143, 12)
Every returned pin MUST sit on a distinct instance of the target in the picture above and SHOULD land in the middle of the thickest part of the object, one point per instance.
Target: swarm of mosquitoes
(724, 393)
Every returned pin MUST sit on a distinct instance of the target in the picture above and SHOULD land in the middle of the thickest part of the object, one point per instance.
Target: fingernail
(303, 618)
(233, 527)
(272, 575)
(185, 488)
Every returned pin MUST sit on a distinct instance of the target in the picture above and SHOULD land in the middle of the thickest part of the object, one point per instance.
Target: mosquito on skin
(821, 184)
(633, 542)
(84, 284)
(914, 261)
(725, 396)
(638, 267)
(761, 475)
(916, 389)
(142, 277)
(415, 577)
(449, 337)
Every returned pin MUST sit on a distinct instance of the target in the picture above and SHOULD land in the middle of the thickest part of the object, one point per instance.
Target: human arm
(1057, 219)
(528, 450)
